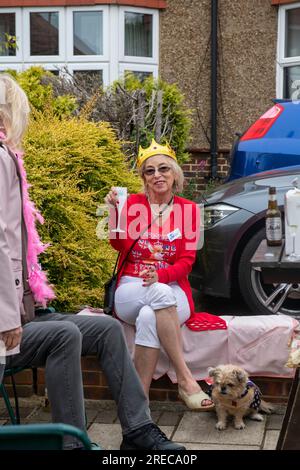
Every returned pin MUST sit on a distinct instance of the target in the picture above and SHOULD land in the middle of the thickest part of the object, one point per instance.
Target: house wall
(44, 3)
(247, 60)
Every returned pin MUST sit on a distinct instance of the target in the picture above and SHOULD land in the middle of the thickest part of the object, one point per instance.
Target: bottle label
(274, 228)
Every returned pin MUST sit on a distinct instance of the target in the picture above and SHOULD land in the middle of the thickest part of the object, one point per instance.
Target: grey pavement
(193, 429)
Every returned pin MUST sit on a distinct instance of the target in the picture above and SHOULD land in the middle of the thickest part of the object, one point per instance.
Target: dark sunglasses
(162, 170)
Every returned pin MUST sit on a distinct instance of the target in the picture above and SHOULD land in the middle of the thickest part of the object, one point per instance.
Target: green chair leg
(14, 414)
(9, 408)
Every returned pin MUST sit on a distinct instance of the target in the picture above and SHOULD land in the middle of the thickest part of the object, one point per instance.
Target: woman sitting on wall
(154, 293)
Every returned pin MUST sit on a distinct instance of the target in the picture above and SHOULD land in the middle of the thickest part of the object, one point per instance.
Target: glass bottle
(273, 220)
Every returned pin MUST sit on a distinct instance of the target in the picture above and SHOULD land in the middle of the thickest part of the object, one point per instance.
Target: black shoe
(148, 437)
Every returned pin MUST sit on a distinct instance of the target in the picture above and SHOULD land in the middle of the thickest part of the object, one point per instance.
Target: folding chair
(48, 436)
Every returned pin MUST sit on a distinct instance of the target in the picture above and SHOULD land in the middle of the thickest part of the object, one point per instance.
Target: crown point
(154, 149)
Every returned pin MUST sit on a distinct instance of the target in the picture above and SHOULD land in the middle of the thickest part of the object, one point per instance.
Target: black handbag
(109, 294)
(111, 285)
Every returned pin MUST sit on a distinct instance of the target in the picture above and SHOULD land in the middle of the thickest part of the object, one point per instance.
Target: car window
(279, 182)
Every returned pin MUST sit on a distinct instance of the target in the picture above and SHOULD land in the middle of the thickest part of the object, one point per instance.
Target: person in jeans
(53, 340)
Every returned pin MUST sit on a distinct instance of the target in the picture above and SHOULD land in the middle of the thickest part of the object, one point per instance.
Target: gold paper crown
(154, 149)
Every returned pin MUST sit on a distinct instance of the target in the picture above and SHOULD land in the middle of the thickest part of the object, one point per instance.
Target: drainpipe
(213, 92)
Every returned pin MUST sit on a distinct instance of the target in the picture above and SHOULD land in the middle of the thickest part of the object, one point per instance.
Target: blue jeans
(57, 342)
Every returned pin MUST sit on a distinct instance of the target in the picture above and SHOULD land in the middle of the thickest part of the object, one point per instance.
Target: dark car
(272, 142)
(234, 220)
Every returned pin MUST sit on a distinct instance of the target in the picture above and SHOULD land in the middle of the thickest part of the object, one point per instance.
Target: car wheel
(265, 298)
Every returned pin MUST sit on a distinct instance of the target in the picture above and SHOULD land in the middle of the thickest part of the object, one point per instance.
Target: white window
(4, 67)
(94, 71)
(87, 39)
(141, 71)
(56, 69)
(288, 52)
(138, 40)
(10, 24)
(44, 34)
(102, 41)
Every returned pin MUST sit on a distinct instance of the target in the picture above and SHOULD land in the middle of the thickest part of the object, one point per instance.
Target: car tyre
(256, 293)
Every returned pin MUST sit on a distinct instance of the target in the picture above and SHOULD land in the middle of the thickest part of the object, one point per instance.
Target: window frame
(5, 66)
(155, 36)
(112, 62)
(49, 67)
(19, 36)
(69, 28)
(71, 66)
(61, 57)
(282, 61)
(124, 67)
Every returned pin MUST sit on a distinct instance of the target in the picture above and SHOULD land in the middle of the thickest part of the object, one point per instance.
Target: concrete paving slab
(271, 439)
(39, 416)
(200, 427)
(279, 409)
(90, 416)
(108, 436)
(169, 418)
(106, 416)
(168, 430)
(155, 415)
(274, 422)
(24, 413)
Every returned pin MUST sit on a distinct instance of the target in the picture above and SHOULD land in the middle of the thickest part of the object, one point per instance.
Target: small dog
(234, 394)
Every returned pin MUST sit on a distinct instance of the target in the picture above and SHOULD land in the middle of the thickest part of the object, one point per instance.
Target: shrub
(71, 165)
(132, 108)
(36, 82)
(173, 124)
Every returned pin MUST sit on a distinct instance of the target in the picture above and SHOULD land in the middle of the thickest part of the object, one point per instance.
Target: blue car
(272, 142)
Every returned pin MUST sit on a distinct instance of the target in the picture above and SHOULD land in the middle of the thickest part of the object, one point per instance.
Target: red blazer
(186, 216)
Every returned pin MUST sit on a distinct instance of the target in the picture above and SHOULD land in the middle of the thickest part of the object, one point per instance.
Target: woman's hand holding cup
(111, 199)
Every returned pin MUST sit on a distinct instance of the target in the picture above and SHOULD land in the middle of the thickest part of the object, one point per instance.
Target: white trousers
(136, 305)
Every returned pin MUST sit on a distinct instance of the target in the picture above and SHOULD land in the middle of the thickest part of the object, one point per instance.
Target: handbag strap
(136, 240)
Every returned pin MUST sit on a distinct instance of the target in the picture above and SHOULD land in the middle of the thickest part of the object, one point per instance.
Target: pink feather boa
(37, 279)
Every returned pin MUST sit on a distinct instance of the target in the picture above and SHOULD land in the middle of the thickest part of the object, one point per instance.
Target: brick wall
(95, 385)
(197, 171)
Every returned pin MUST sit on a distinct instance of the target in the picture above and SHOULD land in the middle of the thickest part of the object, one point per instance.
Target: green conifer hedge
(71, 165)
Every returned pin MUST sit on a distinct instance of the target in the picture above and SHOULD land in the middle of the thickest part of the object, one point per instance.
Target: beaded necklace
(159, 213)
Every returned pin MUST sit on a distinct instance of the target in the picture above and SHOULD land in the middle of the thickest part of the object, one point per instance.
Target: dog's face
(229, 381)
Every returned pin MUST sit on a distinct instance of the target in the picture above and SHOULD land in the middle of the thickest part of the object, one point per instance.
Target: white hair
(177, 172)
(14, 110)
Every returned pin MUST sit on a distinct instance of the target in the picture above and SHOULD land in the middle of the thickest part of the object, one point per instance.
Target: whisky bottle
(273, 220)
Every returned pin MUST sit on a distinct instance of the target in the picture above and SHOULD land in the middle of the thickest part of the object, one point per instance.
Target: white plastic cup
(122, 198)
(122, 194)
